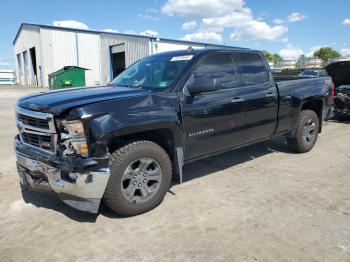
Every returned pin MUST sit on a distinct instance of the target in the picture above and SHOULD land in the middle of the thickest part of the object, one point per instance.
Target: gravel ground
(260, 203)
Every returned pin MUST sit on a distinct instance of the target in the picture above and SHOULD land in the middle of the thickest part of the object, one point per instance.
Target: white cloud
(149, 32)
(149, 17)
(203, 36)
(346, 21)
(70, 24)
(279, 21)
(245, 27)
(314, 49)
(257, 31)
(110, 30)
(295, 17)
(189, 25)
(233, 19)
(201, 8)
(345, 51)
(290, 52)
(218, 15)
(216, 29)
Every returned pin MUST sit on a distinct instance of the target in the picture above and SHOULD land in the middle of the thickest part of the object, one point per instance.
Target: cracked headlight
(74, 128)
(74, 139)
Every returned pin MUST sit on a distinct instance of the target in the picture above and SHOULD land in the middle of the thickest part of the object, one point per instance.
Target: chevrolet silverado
(122, 143)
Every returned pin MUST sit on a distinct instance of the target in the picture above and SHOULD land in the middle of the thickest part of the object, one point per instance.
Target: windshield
(308, 73)
(153, 72)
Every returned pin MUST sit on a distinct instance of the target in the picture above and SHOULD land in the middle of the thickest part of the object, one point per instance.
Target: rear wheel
(140, 177)
(305, 132)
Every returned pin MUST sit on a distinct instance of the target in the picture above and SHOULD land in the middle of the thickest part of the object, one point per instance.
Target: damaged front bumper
(79, 182)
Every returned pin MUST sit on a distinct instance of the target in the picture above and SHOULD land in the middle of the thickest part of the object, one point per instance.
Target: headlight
(73, 137)
(80, 147)
(74, 128)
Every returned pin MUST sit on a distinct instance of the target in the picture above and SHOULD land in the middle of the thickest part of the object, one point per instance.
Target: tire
(126, 167)
(302, 141)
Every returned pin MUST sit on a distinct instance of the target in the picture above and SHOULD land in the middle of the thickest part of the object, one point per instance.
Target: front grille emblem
(20, 125)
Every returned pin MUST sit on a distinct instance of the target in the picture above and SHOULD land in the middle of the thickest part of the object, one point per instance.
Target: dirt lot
(261, 203)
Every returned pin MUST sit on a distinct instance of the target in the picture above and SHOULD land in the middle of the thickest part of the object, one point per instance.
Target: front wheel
(305, 133)
(140, 177)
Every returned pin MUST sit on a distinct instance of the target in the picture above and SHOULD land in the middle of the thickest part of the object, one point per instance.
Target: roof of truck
(195, 52)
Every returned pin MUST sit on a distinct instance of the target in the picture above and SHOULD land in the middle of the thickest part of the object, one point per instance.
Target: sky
(287, 27)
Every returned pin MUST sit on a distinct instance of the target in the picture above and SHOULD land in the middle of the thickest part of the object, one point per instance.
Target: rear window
(251, 69)
(218, 66)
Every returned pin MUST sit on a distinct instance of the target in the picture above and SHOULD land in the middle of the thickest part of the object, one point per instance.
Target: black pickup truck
(123, 142)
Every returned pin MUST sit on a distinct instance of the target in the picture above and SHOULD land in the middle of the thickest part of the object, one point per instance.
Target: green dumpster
(68, 76)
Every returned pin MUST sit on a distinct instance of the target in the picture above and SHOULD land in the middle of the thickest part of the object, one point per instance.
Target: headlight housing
(75, 128)
(73, 137)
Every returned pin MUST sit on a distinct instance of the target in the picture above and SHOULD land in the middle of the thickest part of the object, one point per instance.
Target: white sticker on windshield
(182, 58)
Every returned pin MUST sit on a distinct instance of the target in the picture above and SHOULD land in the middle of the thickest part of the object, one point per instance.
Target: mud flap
(179, 163)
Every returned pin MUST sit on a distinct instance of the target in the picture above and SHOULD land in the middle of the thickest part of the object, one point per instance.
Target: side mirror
(203, 84)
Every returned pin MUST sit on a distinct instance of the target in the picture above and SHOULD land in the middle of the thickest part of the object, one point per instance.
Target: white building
(41, 49)
(7, 76)
(311, 63)
(286, 64)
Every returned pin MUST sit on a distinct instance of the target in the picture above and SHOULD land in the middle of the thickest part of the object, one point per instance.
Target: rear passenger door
(214, 120)
(260, 94)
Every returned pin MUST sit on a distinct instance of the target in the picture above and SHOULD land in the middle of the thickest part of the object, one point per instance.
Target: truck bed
(288, 78)
(291, 90)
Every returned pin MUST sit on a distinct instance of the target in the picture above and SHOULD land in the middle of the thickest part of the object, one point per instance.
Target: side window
(251, 69)
(218, 66)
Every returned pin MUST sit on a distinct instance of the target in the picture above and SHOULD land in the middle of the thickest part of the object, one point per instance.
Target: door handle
(270, 95)
(237, 100)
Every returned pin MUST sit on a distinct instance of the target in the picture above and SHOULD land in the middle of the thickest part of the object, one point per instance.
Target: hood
(340, 72)
(55, 102)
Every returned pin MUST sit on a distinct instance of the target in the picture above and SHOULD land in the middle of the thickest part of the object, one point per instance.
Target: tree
(326, 53)
(276, 58)
(300, 62)
(268, 56)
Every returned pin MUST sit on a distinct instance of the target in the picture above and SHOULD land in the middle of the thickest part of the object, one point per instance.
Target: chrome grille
(37, 129)
(33, 122)
(43, 142)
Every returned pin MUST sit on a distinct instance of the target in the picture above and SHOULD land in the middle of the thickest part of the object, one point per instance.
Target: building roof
(120, 34)
(196, 52)
(67, 68)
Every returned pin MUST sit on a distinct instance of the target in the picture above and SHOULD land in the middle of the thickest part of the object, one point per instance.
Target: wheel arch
(315, 105)
(168, 136)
